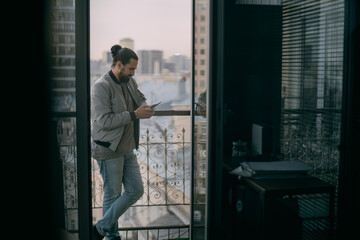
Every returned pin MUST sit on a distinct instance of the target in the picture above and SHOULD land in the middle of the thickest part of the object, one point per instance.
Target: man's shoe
(95, 234)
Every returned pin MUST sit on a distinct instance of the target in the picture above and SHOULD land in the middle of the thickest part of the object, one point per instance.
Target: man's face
(128, 70)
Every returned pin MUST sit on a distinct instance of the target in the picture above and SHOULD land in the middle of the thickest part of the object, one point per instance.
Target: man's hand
(144, 112)
(202, 111)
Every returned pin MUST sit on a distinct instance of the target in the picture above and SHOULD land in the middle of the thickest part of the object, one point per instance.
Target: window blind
(311, 93)
(312, 74)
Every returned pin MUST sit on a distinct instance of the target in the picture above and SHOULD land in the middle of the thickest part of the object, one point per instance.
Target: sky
(152, 24)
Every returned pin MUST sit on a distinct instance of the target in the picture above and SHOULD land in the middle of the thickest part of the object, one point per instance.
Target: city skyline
(168, 57)
(153, 25)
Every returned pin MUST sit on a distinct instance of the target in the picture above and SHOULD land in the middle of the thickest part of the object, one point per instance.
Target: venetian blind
(312, 74)
(311, 82)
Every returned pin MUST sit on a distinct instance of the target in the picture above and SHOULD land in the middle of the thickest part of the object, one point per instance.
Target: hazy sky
(152, 24)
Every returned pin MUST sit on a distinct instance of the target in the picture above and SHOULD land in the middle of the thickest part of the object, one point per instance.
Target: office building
(182, 63)
(201, 32)
(150, 61)
(128, 43)
(106, 57)
(63, 55)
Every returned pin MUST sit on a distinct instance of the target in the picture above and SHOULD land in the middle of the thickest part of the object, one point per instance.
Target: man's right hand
(144, 112)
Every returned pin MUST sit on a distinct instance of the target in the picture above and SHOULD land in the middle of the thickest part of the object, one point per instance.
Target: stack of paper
(273, 168)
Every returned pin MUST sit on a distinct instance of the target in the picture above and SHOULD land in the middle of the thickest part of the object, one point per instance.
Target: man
(201, 104)
(116, 107)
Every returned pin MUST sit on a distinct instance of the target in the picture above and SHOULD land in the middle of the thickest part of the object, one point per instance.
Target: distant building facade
(150, 61)
(106, 57)
(63, 55)
(201, 46)
(181, 62)
(128, 43)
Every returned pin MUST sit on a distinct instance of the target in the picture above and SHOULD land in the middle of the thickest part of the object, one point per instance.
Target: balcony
(164, 156)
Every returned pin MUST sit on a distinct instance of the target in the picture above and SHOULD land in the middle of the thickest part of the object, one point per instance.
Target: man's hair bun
(115, 49)
(122, 54)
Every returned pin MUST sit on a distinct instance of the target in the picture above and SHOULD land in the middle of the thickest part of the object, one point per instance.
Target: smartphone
(154, 105)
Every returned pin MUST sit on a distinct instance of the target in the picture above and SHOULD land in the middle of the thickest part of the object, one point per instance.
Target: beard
(124, 78)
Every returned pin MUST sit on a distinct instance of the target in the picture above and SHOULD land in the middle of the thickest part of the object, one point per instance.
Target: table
(270, 189)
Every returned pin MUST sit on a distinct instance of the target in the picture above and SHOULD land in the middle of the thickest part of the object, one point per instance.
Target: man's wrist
(133, 116)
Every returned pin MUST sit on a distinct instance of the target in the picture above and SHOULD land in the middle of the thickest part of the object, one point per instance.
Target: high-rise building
(63, 55)
(181, 62)
(150, 61)
(106, 57)
(201, 46)
(128, 43)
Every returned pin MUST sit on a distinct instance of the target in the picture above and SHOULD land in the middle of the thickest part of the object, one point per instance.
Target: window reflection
(62, 86)
(200, 122)
(63, 55)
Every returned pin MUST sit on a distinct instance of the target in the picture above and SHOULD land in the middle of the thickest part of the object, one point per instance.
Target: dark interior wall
(252, 70)
(349, 181)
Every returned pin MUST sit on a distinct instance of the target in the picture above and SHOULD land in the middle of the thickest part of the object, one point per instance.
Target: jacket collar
(113, 77)
(129, 87)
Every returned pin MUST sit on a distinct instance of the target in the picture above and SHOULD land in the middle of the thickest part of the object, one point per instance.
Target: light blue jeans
(115, 172)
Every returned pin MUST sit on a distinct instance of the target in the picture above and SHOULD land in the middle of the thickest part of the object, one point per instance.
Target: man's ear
(119, 64)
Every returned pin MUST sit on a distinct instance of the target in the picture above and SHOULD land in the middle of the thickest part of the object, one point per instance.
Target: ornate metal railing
(313, 136)
(164, 168)
(176, 232)
(155, 232)
(319, 152)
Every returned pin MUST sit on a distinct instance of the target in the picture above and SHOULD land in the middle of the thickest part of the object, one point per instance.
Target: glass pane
(160, 35)
(62, 86)
(63, 55)
(312, 85)
(201, 62)
(66, 133)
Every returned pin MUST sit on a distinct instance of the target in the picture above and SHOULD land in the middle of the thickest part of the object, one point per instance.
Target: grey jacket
(109, 113)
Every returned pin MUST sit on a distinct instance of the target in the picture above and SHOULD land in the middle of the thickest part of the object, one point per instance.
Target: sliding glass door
(199, 119)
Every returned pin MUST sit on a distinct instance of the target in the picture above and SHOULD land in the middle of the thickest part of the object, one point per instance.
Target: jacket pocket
(104, 144)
